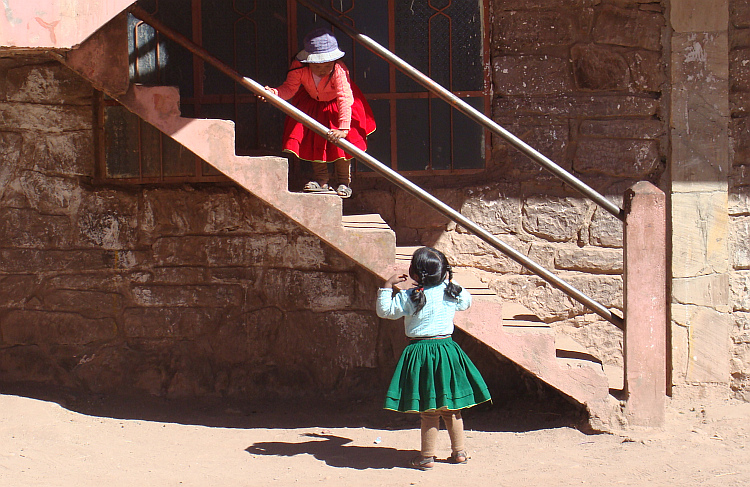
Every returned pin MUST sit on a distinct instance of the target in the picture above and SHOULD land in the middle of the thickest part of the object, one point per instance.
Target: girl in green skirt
(433, 377)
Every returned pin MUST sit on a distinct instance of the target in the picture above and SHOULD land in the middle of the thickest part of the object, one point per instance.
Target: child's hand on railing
(270, 90)
(335, 134)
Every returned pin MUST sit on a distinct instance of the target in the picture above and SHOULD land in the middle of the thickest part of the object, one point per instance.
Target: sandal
(315, 187)
(459, 457)
(422, 463)
(344, 191)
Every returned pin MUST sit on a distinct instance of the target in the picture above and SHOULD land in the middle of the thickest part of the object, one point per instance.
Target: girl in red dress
(318, 83)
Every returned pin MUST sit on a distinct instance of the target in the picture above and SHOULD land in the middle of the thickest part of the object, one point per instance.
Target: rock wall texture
(584, 83)
(739, 189)
(171, 291)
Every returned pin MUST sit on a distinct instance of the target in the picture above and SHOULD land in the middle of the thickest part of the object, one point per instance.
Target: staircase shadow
(505, 414)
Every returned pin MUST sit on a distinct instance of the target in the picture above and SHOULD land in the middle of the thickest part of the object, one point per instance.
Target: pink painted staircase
(508, 329)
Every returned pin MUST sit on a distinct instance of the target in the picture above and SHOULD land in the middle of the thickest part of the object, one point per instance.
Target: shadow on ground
(503, 414)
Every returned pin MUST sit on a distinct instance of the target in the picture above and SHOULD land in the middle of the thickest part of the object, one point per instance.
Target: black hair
(429, 267)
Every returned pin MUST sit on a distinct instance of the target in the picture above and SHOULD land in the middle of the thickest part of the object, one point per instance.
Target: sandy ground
(44, 443)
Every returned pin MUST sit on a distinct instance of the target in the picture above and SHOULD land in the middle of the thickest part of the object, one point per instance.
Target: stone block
(545, 4)
(739, 288)
(203, 296)
(740, 104)
(623, 129)
(68, 154)
(739, 69)
(413, 213)
(470, 251)
(529, 30)
(530, 75)
(551, 304)
(21, 260)
(629, 28)
(554, 218)
(247, 337)
(11, 145)
(547, 136)
(647, 70)
(710, 291)
(543, 254)
(211, 211)
(588, 106)
(699, 15)
(32, 327)
(376, 201)
(47, 84)
(739, 203)
(739, 131)
(708, 343)
(495, 208)
(605, 229)
(739, 238)
(16, 289)
(108, 220)
(317, 291)
(700, 230)
(598, 68)
(45, 118)
(591, 260)
(739, 38)
(50, 194)
(87, 303)
(622, 158)
(24, 228)
(739, 13)
(176, 323)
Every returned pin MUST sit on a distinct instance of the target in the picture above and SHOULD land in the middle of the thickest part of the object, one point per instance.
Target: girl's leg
(320, 172)
(454, 423)
(343, 171)
(430, 428)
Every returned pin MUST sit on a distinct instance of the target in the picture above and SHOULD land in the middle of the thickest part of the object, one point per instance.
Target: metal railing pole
(467, 109)
(382, 169)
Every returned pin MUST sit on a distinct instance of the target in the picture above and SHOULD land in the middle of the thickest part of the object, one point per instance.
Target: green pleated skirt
(435, 374)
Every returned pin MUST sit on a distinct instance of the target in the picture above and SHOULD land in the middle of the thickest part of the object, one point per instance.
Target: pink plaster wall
(54, 24)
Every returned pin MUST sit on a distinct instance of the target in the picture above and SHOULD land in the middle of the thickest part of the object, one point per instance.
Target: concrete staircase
(508, 329)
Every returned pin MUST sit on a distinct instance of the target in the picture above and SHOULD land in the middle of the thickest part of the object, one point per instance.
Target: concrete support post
(645, 282)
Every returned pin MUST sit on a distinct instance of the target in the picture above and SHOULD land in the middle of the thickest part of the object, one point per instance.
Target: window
(417, 132)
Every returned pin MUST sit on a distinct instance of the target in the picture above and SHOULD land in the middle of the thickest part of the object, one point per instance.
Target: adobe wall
(585, 83)
(176, 292)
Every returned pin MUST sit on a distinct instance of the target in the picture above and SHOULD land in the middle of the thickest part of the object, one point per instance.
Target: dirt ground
(87, 442)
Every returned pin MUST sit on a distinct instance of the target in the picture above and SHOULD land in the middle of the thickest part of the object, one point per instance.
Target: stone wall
(583, 82)
(739, 190)
(171, 291)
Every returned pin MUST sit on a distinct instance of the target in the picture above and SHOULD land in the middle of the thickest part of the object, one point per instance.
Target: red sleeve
(293, 79)
(344, 96)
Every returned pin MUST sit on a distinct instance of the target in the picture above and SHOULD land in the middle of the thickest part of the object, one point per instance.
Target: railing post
(645, 281)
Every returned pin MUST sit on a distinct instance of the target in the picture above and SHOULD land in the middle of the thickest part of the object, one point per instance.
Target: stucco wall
(171, 291)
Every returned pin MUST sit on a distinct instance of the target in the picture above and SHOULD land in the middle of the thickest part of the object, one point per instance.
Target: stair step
(371, 221)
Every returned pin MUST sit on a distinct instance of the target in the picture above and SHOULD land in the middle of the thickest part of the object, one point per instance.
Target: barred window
(417, 132)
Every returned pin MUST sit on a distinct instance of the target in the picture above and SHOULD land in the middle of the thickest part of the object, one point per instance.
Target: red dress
(335, 102)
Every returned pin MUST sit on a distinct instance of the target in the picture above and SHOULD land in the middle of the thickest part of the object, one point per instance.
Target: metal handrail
(465, 108)
(380, 168)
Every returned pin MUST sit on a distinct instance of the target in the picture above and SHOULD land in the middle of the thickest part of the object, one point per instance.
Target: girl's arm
(464, 300)
(388, 305)
(344, 96)
(291, 85)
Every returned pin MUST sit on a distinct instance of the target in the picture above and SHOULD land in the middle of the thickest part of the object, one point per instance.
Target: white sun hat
(320, 47)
